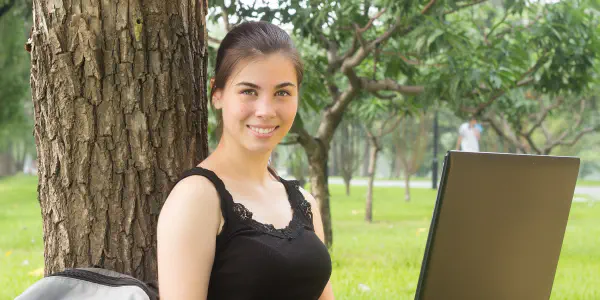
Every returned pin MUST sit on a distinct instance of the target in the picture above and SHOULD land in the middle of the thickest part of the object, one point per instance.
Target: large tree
(119, 99)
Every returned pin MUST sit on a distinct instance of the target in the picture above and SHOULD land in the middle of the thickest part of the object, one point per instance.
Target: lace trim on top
(304, 206)
(292, 230)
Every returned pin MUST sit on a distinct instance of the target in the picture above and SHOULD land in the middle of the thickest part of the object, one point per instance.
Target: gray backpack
(90, 283)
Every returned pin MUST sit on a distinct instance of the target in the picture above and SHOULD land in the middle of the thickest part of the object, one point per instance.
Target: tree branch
(578, 136)
(288, 143)
(370, 23)
(303, 138)
(225, 16)
(512, 28)
(495, 96)
(543, 115)
(463, 6)
(416, 62)
(496, 25)
(501, 132)
(563, 136)
(390, 85)
(383, 97)
(427, 7)
(392, 128)
(214, 40)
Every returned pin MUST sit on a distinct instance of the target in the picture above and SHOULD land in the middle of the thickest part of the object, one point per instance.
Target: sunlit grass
(371, 261)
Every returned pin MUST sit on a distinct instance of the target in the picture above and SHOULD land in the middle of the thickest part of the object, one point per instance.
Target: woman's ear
(216, 95)
(216, 99)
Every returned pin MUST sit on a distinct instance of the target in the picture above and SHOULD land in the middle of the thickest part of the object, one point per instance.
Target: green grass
(415, 178)
(385, 256)
(588, 182)
(21, 245)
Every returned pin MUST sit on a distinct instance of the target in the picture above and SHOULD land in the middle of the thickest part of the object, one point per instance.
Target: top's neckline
(269, 228)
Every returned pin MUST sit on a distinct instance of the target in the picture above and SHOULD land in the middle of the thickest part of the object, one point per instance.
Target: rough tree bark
(119, 96)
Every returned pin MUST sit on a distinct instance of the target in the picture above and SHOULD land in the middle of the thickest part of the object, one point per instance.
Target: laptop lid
(497, 227)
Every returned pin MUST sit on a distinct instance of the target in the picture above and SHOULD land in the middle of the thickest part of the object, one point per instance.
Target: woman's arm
(318, 225)
(187, 226)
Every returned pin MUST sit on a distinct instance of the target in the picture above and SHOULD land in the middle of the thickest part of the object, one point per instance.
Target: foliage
(14, 63)
(467, 53)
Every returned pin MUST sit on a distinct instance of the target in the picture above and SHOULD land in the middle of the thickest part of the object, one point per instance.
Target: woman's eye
(282, 93)
(249, 92)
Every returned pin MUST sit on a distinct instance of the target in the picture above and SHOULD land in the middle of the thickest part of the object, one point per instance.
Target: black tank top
(258, 261)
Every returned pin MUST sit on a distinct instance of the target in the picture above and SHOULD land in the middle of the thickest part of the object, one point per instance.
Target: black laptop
(497, 227)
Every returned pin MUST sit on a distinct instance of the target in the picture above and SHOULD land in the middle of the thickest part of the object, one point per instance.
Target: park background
(387, 84)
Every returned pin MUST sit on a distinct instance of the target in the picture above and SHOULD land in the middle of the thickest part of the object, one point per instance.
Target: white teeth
(262, 130)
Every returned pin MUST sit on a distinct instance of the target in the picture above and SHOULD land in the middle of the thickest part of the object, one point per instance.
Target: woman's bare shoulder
(193, 199)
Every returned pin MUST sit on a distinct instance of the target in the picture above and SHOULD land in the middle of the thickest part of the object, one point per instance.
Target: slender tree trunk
(119, 98)
(365, 166)
(21, 154)
(393, 162)
(407, 186)
(347, 185)
(398, 165)
(346, 156)
(372, 169)
(6, 164)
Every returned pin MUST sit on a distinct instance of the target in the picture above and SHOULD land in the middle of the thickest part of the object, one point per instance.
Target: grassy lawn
(588, 182)
(384, 256)
(21, 245)
(415, 178)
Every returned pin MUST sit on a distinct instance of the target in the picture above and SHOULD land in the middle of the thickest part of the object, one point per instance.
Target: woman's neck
(239, 163)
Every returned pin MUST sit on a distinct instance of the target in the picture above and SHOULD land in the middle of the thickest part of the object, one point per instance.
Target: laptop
(497, 227)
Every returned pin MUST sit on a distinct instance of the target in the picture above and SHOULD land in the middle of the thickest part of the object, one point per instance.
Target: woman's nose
(265, 108)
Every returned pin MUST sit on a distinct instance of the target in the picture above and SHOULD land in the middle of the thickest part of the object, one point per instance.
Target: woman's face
(259, 102)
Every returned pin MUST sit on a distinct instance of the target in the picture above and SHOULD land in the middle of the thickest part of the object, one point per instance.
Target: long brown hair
(249, 40)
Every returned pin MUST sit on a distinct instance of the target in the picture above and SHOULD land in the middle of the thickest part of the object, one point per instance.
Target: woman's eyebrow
(252, 85)
(284, 84)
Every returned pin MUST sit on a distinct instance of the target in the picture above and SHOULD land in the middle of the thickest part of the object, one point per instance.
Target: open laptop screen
(497, 227)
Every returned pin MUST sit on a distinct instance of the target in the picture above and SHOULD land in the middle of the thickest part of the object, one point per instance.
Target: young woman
(231, 228)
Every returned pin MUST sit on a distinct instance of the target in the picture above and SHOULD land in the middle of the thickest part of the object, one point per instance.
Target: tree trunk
(347, 185)
(333, 158)
(6, 164)
(346, 156)
(393, 162)
(372, 169)
(119, 97)
(407, 186)
(317, 163)
(21, 153)
(365, 166)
